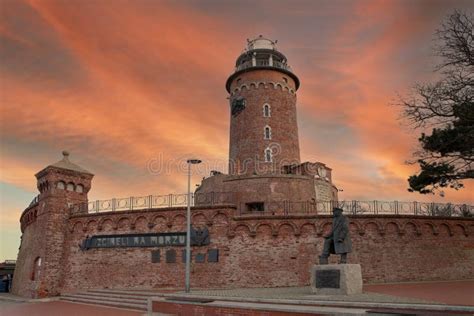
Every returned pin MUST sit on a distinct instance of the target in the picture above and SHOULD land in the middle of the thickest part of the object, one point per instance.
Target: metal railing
(262, 63)
(155, 202)
(359, 208)
(276, 207)
(34, 201)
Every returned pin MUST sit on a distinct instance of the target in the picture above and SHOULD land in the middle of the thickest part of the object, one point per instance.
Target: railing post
(150, 201)
(97, 206)
(170, 200)
(113, 205)
(414, 208)
(131, 203)
(395, 205)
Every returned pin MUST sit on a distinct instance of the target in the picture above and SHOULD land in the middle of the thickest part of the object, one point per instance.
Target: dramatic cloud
(133, 88)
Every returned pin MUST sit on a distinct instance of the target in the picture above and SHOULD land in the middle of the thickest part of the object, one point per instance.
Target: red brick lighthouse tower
(263, 127)
(265, 171)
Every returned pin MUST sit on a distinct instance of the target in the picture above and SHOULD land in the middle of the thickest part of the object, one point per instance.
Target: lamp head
(194, 161)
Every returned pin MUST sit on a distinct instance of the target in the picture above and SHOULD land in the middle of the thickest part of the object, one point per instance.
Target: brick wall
(247, 143)
(267, 251)
(262, 188)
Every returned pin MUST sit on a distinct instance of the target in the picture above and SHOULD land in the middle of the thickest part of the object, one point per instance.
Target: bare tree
(447, 106)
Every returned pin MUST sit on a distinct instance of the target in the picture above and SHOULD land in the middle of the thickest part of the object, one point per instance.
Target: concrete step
(126, 292)
(113, 294)
(108, 298)
(139, 307)
(120, 299)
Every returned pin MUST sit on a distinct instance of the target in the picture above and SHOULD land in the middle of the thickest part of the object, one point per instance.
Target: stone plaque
(328, 279)
(213, 255)
(155, 256)
(200, 258)
(170, 256)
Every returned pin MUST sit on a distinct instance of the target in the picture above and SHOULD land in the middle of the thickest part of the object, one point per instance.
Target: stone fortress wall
(253, 251)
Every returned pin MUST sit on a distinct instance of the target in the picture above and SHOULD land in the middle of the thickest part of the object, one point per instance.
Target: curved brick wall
(247, 143)
(264, 188)
(266, 251)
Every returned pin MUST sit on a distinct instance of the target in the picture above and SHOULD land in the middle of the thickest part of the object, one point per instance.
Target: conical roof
(66, 164)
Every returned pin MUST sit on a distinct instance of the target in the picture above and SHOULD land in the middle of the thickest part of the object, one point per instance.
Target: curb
(411, 306)
(12, 299)
(27, 300)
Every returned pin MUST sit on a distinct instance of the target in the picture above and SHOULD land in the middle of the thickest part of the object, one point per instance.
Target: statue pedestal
(336, 279)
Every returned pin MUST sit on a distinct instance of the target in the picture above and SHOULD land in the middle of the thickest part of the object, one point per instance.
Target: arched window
(267, 132)
(266, 110)
(61, 185)
(79, 188)
(36, 269)
(70, 186)
(268, 155)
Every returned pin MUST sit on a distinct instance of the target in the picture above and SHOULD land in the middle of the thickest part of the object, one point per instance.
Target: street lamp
(188, 225)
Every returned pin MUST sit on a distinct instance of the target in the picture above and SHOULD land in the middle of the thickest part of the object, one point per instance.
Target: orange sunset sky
(121, 84)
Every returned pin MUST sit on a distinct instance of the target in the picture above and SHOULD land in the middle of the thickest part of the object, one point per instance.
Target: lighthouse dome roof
(260, 42)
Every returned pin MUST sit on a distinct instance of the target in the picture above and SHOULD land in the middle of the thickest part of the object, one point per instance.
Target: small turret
(43, 227)
(64, 178)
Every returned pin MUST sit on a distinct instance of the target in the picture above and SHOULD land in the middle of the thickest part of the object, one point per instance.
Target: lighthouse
(265, 169)
(263, 124)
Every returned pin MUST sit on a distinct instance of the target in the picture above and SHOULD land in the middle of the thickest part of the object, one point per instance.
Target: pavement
(300, 293)
(453, 293)
(460, 293)
(58, 308)
(449, 292)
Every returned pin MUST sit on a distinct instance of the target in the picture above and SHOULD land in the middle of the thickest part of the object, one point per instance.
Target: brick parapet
(263, 251)
(267, 250)
(150, 216)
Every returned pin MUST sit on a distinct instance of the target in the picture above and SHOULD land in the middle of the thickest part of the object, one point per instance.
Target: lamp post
(188, 226)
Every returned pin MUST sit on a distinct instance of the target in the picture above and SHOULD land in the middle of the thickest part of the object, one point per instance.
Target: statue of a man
(338, 241)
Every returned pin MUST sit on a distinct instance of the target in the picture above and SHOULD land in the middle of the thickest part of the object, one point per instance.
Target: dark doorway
(255, 207)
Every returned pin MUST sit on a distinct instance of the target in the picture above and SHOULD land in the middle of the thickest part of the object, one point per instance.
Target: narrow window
(266, 110)
(255, 207)
(36, 269)
(79, 188)
(70, 186)
(267, 132)
(61, 185)
(268, 155)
